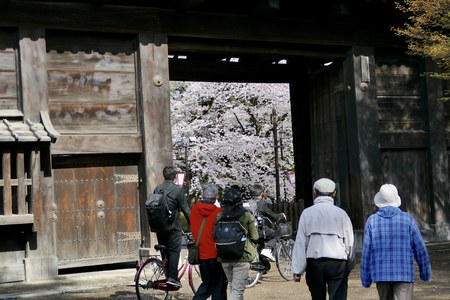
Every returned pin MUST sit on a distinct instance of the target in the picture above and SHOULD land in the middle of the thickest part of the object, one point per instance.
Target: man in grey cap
(324, 245)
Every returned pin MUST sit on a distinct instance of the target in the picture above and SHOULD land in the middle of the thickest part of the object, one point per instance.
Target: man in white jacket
(324, 245)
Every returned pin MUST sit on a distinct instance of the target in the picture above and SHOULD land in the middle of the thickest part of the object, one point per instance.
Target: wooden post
(153, 65)
(42, 262)
(364, 154)
(7, 195)
(438, 157)
(274, 118)
(33, 67)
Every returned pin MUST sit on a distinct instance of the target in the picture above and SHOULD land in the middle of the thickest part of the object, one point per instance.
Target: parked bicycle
(282, 252)
(151, 275)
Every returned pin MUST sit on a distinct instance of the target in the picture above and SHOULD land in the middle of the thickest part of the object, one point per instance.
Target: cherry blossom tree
(227, 131)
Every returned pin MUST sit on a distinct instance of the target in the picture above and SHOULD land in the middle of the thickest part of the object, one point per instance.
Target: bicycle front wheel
(283, 258)
(150, 280)
(194, 277)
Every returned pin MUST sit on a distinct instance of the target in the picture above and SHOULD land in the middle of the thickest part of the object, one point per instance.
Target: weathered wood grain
(404, 169)
(6, 179)
(155, 117)
(105, 205)
(100, 144)
(92, 92)
(36, 195)
(8, 79)
(33, 71)
(93, 118)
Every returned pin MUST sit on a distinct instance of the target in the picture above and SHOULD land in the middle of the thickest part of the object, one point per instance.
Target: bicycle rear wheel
(150, 280)
(253, 278)
(194, 277)
(283, 258)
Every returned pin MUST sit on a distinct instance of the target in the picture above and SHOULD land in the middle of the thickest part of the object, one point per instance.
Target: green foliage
(427, 32)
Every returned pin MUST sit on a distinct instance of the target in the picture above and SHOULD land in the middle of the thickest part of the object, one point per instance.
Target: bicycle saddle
(160, 247)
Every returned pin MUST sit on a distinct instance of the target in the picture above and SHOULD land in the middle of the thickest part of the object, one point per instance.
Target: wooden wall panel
(8, 79)
(447, 116)
(400, 106)
(324, 125)
(127, 214)
(66, 206)
(82, 118)
(405, 169)
(85, 215)
(106, 213)
(91, 92)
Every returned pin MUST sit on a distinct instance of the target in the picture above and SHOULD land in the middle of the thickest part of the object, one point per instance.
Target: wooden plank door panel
(97, 215)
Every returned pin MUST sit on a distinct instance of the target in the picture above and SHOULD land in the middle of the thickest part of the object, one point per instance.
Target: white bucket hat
(387, 196)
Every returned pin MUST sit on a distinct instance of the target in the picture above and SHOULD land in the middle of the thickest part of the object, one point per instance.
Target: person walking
(259, 208)
(324, 245)
(214, 280)
(172, 237)
(237, 270)
(392, 241)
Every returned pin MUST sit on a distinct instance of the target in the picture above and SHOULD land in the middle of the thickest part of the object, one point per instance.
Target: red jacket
(207, 246)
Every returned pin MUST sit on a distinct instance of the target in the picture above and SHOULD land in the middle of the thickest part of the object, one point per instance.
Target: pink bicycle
(151, 275)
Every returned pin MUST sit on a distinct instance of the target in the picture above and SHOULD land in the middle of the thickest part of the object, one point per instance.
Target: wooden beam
(17, 219)
(281, 50)
(86, 17)
(232, 72)
(85, 144)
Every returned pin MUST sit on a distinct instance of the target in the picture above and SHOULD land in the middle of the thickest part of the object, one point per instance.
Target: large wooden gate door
(97, 215)
(328, 129)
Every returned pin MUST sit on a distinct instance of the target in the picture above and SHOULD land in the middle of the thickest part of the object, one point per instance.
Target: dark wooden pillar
(364, 156)
(438, 158)
(154, 98)
(301, 129)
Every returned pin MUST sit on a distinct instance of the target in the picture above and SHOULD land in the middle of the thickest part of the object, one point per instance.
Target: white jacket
(324, 231)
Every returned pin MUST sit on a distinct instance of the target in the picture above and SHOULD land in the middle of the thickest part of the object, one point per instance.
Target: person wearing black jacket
(172, 237)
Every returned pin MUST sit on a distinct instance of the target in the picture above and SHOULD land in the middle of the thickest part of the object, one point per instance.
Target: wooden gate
(97, 215)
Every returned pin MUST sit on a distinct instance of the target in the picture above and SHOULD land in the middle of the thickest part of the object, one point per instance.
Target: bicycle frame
(156, 268)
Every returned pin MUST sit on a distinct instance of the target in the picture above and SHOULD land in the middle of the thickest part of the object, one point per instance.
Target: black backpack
(230, 237)
(159, 213)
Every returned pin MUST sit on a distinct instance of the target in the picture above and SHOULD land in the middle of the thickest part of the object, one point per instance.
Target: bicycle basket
(285, 229)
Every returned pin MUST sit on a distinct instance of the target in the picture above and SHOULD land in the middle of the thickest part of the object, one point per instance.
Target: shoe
(173, 282)
(268, 253)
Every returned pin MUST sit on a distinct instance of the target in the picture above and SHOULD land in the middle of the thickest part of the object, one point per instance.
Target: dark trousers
(214, 281)
(395, 290)
(172, 241)
(325, 272)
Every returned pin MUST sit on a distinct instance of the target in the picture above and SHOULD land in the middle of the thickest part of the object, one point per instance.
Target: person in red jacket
(214, 282)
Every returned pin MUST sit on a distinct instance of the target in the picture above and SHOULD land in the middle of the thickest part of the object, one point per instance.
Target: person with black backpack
(171, 236)
(235, 255)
